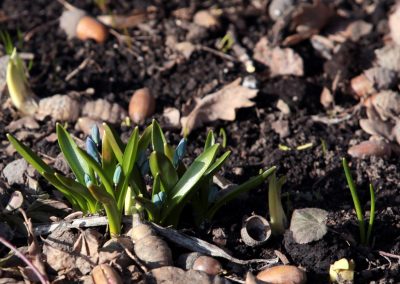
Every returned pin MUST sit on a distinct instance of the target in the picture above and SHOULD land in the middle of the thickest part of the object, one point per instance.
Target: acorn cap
(255, 231)
(69, 21)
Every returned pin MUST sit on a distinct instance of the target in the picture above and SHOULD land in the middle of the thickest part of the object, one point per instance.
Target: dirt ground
(315, 177)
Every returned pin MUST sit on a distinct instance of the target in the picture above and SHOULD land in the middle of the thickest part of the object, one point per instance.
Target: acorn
(283, 274)
(76, 23)
(141, 105)
(149, 247)
(197, 261)
(105, 274)
(255, 231)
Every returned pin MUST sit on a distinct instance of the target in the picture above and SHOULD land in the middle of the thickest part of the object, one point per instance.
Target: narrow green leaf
(210, 141)
(152, 210)
(162, 166)
(30, 156)
(217, 164)
(115, 142)
(169, 151)
(157, 138)
(130, 153)
(108, 159)
(233, 193)
(97, 168)
(371, 213)
(145, 139)
(71, 154)
(189, 179)
(156, 186)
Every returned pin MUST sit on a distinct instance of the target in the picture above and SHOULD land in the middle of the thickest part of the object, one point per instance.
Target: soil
(315, 176)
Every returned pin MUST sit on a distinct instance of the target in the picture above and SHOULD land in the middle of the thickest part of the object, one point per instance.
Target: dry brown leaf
(34, 251)
(206, 19)
(123, 21)
(25, 122)
(281, 61)
(369, 148)
(314, 16)
(387, 105)
(389, 57)
(172, 115)
(344, 29)
(58, 107)
(88, 244)
(381, 78)
(104, 111)
(85, 125)
(394, 24)
(15, 201)
(186, 48)
(219, 105)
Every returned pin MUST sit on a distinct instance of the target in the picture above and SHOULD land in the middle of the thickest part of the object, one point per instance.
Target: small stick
(78, 69)
(216, 52)
(24, 259)
(387, 254)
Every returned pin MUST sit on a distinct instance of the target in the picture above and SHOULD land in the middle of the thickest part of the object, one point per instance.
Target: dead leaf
(113, 251)
(58, 107)
(206, 19)
(387, 105)
(15, 201)
(88, 244)
(281, 61)
(24, 122)
(308, 224)
(344, 29)
(381, 78)
(219, 105)
(186, 48)
(172, 115)
(104, 111)
(34, 251)
(307, 20)
(281, 127)
(389, 57)
(3, 72)
(394, 24)
(123, 21)
(361, 85)
(85, 125)
(375, 147)
(283, 107)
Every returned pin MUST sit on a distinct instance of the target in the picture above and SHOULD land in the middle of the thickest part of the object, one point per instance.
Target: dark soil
(314, 176)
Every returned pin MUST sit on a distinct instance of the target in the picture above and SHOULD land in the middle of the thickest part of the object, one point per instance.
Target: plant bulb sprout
(111, 175)
(364, 235)
(278, 220)
(18, 86)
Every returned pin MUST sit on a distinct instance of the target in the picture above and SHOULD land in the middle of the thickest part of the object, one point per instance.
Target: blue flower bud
(88, 180)
(117, 174)
(95, 134)
(179, 152)
(91, 149)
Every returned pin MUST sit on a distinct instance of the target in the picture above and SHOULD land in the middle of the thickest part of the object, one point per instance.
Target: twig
(78, 69)
(387, 254)
(216, 52)
(24, 259)
(198, 245)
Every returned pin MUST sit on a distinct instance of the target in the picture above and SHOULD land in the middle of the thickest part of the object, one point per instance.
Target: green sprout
(18, 86)
(278, 220)
(7, 42)
(111, 176)
(364, 236)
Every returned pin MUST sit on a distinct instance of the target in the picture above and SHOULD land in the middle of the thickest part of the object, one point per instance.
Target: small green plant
(364, 235)
(278, 220)
(7, 42)
(18, 86)
(112, 176)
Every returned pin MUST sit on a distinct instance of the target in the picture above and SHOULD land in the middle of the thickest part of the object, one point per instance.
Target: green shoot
(364, 236)
(278, 218)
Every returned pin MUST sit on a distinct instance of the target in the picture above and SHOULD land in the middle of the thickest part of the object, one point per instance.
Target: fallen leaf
(281, 61)
(123, 21)
(15, 201)
(58, 107)
(308, 224)
(394, 24)
(344, 29)
(389, 57)
(24, 122)
(387, 104)
(381, 78)
(34, 252)
(3, 72)
(281, 127)
(88, 244)
(186, 48)
(104, 111)
(14, 172)
(219, 105)
(172, 115)
(206, 19)
(85, 125)
(369, 148)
